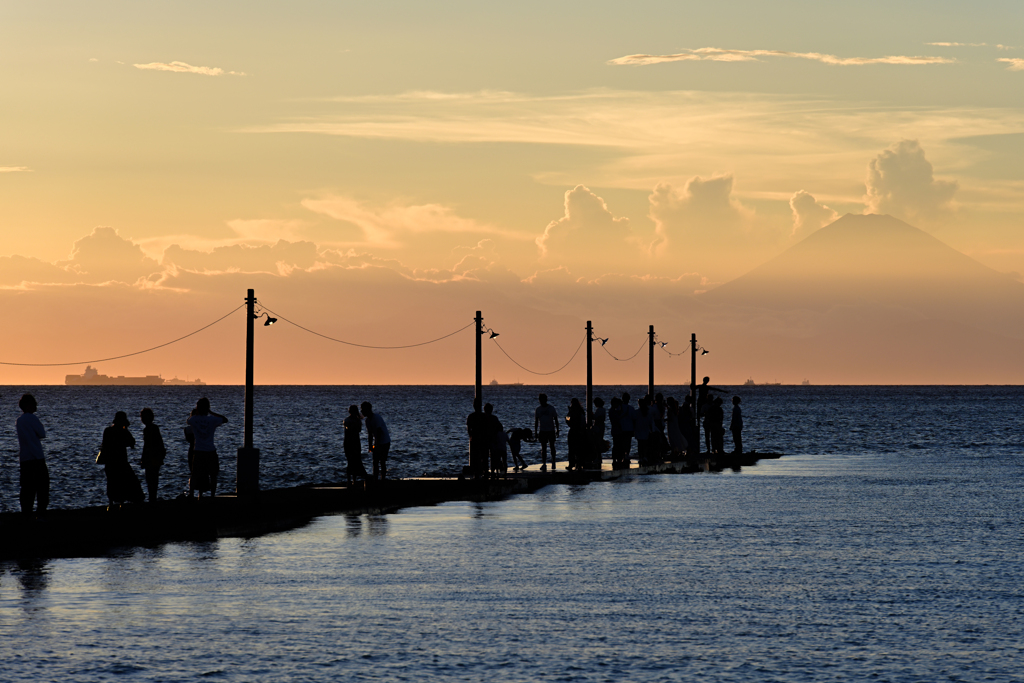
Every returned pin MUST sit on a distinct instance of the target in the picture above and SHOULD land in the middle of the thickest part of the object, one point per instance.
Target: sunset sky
(379, 171)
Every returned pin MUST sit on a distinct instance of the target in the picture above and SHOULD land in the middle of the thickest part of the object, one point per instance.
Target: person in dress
(153, 452)
(122, 483)
(736, 426)
(576, 418)
(205, 463)
(35, 476)
(545, 426)
(378, 439)
(353, 424)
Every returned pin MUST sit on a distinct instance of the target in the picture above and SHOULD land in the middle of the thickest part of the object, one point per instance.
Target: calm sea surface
(887, 545)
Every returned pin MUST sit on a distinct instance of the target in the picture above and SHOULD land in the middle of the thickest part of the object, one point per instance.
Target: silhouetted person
(627, 418)
(205, 462)
(596, 433)
(479, 446)
(190, 437)
(676, 440)
(689, 428)
(35, 476)
(353, 424)
(516, 437)
(545, 426)
(736, 426)
(153, 453)
(643, 430)
(122, 483)
(378, 438)
(576, 418)
(717, 418)
(703, 405)
(496, 442)
(615, 420)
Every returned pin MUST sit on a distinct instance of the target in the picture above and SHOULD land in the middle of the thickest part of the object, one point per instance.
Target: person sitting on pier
(736, 426)
(545, 426)
(153, 453)
(496, 442)
(35, 476)
(378, 439)
(516, 437)
(576, 418)
(477, 426)
(122, 483)
(205, 462)
(353, 424)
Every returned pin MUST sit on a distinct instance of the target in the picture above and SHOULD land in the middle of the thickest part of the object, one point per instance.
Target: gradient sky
(378, 171)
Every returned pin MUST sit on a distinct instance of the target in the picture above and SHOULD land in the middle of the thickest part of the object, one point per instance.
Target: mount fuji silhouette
(884, 299)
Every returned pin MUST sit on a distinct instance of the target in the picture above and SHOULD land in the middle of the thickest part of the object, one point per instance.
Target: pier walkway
(96, 531)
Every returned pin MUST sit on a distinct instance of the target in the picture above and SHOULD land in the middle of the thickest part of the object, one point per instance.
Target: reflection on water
(864, 554)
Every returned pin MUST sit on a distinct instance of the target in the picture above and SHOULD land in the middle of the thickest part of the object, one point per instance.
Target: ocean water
(884, 546)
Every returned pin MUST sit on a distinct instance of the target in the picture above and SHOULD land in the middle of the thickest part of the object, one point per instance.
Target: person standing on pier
(627, 418)
(496, 441)
(378, 439)
(153, 453)
(596, 433)
(476, 426)
(717, 421)
(676, 440)
(205, 463)
(576, 418)
(643, 429)
(122, 484)
(545, 426)
(353, 424)
(736, 426)
(35, 476)
(703, 406)
(516, 436)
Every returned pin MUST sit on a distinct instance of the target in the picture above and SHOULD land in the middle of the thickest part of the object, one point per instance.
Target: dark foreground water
(886, 546)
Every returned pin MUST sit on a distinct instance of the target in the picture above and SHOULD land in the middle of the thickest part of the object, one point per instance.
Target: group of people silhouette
(123, 484)
(378, 441)
(663, 428)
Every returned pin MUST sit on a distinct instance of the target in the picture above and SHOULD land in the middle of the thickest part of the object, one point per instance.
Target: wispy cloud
(15, 169)
(716, 54)
(958, 44)
(1016, 63)
(185, 68)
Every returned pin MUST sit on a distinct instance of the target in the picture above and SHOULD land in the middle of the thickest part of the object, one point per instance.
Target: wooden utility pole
(479, 395)
(590, 373)
(247, 471)
(650, 362)
(693, 387)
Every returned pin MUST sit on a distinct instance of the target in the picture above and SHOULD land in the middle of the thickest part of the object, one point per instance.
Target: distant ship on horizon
(751, 383)
(92, 378)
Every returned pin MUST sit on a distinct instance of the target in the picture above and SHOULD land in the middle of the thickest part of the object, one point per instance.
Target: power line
(136, 353)
(364, 346)
(625, 359)
(534, 372)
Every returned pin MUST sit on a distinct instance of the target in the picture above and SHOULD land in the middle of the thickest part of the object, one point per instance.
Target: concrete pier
(97, 531)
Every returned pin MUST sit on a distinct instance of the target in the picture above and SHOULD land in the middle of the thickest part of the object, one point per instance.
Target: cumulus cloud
(104, 256)
(702, 214)
(587, 236)
(185, 68)
(809, 214)
(1015, 63)
(15, 169)
(279, 258)
(716, 54)
(901, 182)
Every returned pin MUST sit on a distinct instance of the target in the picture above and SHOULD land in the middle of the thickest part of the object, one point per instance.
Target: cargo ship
(92, 378)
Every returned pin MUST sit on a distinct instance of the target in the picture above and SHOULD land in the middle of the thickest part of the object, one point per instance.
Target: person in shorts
(545, 426)
(205, 463)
